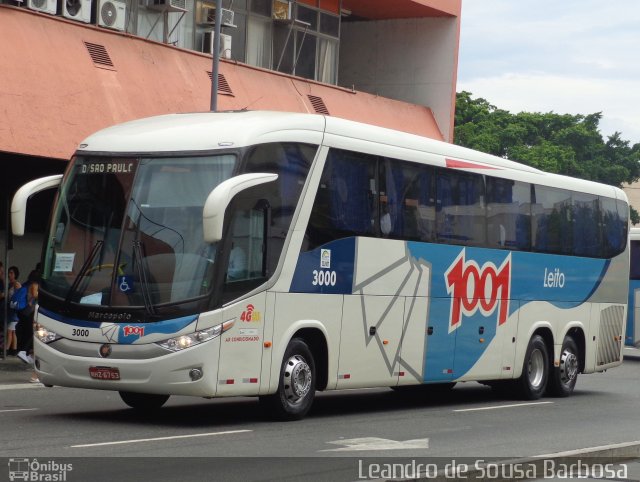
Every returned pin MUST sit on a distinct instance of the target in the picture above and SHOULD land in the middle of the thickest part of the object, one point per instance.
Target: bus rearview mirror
(216, 204)
(19, 203)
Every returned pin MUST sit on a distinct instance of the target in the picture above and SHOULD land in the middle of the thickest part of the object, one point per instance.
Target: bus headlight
(186, 341)
(44, 335)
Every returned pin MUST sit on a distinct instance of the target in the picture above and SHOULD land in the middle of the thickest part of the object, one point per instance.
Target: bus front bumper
(192, 371)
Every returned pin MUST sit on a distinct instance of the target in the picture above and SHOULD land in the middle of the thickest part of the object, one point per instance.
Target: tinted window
(367, 195)
(309, 16)
(614, 230)
(407, 200)
(552, 229)
(460, 216)
(346, 201)
(291, 162)
(261, 7)
(586, 225)
(635, 260)
(508, 214)
(329, 24)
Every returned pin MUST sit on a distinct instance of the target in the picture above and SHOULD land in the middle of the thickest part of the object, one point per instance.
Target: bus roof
(208, 131)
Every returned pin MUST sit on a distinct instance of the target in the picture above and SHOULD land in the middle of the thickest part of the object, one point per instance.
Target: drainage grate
(223, 85)
(318, 104)
(99, 55)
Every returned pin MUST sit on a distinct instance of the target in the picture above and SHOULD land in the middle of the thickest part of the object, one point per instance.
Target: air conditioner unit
(111, 14)
(281, 10)
(167, 5)
(209, 17)
(79, 10)
(208, 39)
(46, 6)
(226, 17)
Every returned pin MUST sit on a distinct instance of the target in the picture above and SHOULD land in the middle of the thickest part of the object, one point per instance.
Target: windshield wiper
(83, 270)
(142, 275)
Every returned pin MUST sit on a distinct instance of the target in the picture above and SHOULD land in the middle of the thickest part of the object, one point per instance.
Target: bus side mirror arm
(218, 200)
(19, 203)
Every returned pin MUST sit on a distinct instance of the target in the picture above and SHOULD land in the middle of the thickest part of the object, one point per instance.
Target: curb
(626, 450)
(537, 467)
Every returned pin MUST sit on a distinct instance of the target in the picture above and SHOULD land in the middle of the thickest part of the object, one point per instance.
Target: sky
(562, 56)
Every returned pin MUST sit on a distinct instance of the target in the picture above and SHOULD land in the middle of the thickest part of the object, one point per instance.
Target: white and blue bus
(632, 336)
(275, 255)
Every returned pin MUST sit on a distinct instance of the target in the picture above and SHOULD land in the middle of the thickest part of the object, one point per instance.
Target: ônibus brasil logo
(474, 288)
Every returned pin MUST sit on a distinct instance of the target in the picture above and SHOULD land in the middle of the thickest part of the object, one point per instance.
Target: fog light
(195, 374)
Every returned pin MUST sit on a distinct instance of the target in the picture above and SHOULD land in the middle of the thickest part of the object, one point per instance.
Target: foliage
(559, 143)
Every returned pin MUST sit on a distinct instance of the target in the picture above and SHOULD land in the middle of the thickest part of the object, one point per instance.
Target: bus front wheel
(143, 401)
(535, 370)
(563, 378)
(297, 385)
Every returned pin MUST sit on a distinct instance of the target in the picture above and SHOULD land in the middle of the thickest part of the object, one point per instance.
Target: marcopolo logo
(34, 470)
(473, 287)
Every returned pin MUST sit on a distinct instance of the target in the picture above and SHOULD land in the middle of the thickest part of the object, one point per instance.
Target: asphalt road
(233, 439)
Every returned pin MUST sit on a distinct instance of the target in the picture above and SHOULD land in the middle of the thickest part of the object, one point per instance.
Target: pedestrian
(12, 317)
(2, 330)
(24, 330)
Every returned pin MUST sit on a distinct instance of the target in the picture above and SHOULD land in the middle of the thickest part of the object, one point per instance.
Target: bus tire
(564, 377)
(297, 384)
(535, 370)
(143, 401)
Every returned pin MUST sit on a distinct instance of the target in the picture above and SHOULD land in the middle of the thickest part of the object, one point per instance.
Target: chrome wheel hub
(536, 368)
(568, 367)
(296, 379)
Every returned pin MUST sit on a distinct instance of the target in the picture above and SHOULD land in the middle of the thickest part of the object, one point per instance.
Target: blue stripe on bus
(563, 281)
(133, 329)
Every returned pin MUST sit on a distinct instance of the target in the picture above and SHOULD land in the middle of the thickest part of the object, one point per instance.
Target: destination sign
(107, 167)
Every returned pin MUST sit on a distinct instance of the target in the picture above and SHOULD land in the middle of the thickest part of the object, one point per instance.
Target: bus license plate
(104, 373)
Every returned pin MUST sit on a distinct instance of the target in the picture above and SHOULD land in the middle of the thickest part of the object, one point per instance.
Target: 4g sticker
(473, 287)
(249, 314)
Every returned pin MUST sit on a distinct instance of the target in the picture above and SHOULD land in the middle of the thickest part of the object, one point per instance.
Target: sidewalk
(13, 371)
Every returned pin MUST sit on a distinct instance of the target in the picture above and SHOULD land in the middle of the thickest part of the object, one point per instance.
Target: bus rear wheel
(143, 401)
(535, 370)
(297, 385)
(564, 377)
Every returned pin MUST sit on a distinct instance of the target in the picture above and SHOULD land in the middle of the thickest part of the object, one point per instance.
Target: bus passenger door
(240, 364)
(370, 341)
(241, 349)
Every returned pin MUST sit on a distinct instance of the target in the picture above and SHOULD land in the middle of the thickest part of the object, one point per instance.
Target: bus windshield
(128, 231)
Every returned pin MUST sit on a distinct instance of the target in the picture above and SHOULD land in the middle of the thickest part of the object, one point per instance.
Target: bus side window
(460, 215)
(291, 161)
(508, 214)
(586, 232)
(346, 201)
(552, 220)
(407, 200)
(245, 249)
(635, 260)
(247, 243)
(614, 226)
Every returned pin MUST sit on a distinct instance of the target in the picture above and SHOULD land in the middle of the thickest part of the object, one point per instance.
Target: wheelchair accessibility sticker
(125, 283)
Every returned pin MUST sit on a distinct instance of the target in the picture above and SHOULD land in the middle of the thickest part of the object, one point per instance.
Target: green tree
(560, 143)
